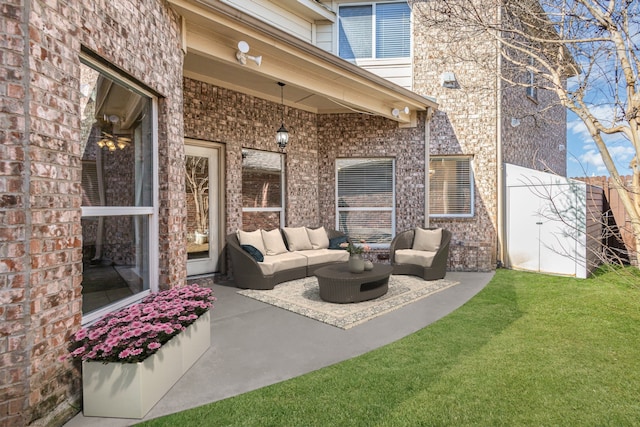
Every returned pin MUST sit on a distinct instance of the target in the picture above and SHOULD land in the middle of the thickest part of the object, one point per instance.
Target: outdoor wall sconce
(282, 135)
(396, 112)
(241, 54)
(448, 80)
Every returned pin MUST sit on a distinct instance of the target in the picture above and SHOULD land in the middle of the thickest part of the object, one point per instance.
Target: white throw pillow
(318, 238)
(297, 238)
(273, 242)
(427, 240)
(253, 238)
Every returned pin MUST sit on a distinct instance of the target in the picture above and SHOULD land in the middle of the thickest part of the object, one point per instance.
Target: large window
(262, 190)
(450, 187)
(118, 195)
(374, 31)
(365, 199)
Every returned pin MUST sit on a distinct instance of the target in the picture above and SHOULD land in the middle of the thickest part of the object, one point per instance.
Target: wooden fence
(618, 237)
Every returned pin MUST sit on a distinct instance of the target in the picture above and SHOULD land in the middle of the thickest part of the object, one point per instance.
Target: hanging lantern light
(282, 135)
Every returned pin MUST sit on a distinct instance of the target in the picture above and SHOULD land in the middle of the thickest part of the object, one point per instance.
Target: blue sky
(583, 157)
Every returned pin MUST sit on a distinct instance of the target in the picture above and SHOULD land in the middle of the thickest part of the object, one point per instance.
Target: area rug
(302, 296)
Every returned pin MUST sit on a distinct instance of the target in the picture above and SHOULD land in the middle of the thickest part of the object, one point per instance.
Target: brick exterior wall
(41, 259)
(471, 119)
(242, 121)
(539, 141)
(465, 124)
(359, 135)
(212, 113)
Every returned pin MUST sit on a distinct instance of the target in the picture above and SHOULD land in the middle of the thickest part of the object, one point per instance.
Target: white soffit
(316, 80)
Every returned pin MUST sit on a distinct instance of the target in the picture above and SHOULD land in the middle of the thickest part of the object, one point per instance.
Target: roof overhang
(316, 81)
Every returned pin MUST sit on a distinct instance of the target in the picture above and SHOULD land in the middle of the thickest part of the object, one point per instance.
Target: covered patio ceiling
(316, 81)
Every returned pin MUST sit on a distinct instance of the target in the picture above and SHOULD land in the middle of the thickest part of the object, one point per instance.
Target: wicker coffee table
(338, 284)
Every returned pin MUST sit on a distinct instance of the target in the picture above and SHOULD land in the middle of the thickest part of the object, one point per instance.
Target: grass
(528, 350)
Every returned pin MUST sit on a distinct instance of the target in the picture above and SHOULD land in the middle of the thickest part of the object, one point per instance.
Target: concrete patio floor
(255, 344)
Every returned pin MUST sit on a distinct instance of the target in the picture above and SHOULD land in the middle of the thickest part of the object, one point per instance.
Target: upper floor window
(450, 186)
(374, 31)
(366, 199)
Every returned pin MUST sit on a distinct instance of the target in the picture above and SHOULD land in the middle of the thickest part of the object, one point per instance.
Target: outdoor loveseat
(262, 259)
(421, 252)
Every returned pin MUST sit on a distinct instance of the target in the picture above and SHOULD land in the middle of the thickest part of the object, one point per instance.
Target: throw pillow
(256, 254)
(318, 238)
(427, 240)
(335, 242)
(297, 238)
(253, 238)
(273, 242)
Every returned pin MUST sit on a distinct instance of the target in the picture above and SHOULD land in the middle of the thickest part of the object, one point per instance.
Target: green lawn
(528, 350)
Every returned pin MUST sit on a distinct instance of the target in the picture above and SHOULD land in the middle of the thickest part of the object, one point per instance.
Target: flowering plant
(355, 249)
(136, 332)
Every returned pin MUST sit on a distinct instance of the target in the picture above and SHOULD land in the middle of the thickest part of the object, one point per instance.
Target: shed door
(537, 239)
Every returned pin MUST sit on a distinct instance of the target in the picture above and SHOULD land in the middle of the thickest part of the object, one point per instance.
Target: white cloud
(592, 163)
(583, 152)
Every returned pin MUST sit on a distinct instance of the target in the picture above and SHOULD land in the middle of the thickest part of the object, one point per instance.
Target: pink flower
(131, 334)
(78, 351)
(80, 335)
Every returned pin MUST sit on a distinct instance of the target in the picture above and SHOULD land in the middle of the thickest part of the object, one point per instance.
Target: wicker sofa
(409, 256)
(285, 264)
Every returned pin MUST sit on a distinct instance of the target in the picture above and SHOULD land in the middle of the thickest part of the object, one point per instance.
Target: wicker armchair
(438, 268)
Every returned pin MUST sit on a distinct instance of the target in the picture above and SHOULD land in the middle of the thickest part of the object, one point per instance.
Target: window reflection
(117, 165)
(262, 190)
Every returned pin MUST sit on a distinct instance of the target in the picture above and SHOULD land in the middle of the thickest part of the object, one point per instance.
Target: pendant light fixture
(282, 136)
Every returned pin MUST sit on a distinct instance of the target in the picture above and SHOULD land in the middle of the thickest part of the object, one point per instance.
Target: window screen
(450, 186)
(366, 199)
(393, 35)
(374, 31)
(355, 31)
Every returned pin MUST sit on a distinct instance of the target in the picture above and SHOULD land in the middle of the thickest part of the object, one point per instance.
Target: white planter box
(130, 390)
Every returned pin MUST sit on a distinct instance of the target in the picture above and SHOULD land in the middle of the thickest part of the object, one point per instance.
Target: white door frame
(215, 153)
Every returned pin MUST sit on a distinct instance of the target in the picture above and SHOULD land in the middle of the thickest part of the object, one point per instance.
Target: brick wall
(359, 135)
(40, 264)
(475, 119)
(465, 124)
(539, 141)
(243, 121)
(212, 113)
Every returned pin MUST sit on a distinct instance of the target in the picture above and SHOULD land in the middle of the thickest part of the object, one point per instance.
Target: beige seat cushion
(414, 257)
(320, 256)
(253, 238)
(297, 238)
(273, 242)
(318, 238)
(286, 261)
(427, 240)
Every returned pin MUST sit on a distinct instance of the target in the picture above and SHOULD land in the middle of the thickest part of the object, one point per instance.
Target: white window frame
(281, 210)
(471, 213)
(391, 209)
(393, 60)
(150, 211)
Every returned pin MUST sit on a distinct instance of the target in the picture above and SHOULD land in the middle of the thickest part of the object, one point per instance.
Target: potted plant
(356, 262)
(132, 357)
